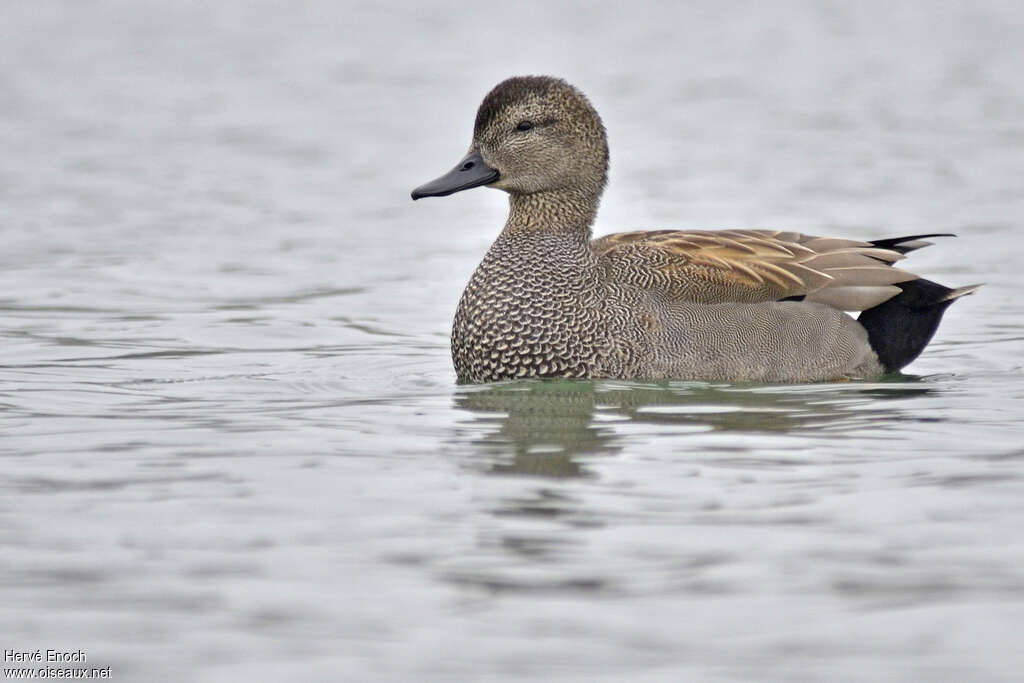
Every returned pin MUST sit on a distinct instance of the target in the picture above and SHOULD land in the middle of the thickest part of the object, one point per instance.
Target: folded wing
(759, 265)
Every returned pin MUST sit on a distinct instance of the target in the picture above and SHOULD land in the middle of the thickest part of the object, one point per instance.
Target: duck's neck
(556, 211)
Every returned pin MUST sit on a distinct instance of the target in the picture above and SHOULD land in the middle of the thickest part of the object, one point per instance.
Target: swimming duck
(731, 305)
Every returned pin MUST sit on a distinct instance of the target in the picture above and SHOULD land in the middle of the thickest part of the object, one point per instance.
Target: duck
(741, 306)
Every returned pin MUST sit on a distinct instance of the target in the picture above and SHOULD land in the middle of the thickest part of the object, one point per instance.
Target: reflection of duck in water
(543, 425)
(737, 305)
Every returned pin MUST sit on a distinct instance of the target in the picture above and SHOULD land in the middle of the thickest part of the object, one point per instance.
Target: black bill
(470, 172)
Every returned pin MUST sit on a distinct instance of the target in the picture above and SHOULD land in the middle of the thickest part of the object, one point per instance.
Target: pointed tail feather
(909, 243)
(963, 291)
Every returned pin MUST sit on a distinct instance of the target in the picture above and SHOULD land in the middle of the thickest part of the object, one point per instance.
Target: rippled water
(232, 445)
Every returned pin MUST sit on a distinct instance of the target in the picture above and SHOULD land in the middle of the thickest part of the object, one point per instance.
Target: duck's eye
(524, 125)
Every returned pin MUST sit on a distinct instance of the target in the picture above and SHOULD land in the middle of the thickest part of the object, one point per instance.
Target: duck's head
(532, 134)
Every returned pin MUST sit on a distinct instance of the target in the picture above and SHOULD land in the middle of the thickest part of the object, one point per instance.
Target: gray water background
(231, 443)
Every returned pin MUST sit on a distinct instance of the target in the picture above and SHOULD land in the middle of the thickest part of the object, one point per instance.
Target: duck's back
(757, 265)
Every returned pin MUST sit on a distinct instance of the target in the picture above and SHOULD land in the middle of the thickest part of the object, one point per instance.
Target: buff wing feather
(759, 265)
